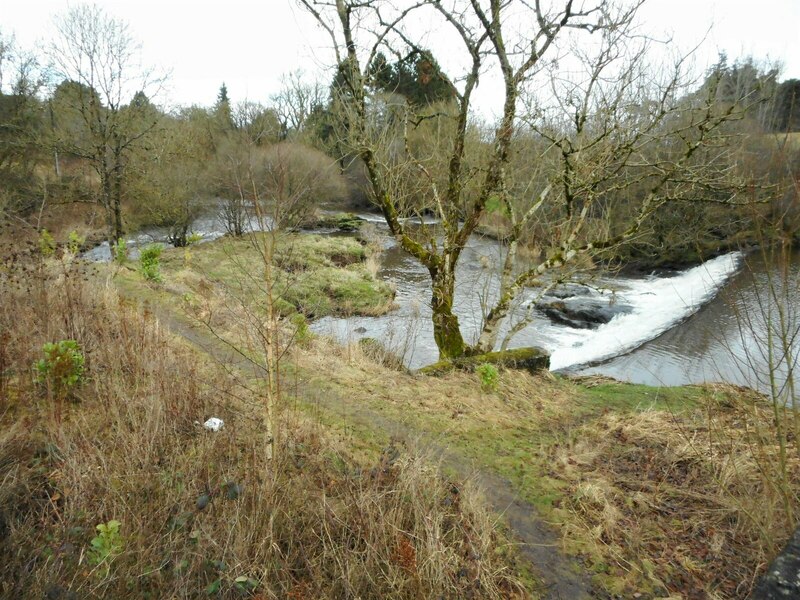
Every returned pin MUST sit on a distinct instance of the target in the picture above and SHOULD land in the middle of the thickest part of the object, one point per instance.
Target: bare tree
(296, 101)
(260, 124)
(97, 54)
(622, 139)
(592, 123)
(20, 125)
(290, 177)
(279, 185)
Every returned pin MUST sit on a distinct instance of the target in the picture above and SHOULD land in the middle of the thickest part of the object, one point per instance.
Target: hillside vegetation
(111, 486)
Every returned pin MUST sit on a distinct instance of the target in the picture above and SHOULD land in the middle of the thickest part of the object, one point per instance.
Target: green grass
(633, 397)
(314, 275)
(515, 434)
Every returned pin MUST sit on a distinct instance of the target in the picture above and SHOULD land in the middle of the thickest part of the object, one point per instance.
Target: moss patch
(529, 359)
(341, 221)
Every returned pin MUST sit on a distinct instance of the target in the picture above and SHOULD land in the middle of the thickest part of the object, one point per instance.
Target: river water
(708, 323)
(730, 337)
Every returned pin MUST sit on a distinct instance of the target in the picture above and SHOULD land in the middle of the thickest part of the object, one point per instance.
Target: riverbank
(653, 489)
(656, 491)
(682, 325)
(111, 486)
(315, 276)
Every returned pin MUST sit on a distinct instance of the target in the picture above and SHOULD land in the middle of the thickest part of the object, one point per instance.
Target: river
(708, 323)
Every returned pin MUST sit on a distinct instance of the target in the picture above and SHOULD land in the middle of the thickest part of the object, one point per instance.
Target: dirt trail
(563, 577)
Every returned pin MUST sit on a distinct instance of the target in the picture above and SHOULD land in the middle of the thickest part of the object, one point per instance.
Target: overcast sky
(248, 45)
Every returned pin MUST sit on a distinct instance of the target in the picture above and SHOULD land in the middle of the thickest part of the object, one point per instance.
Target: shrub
(379, 353)
(302, 333)
(47, 245)
(62, 366)
(106, 545)
(150, 260)
(489, 377)
(119, 251)
(75, 242)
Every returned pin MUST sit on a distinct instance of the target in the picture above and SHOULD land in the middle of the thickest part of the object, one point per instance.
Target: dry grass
(435, 397)
(672, 503)
(202, 513)
(662, 492)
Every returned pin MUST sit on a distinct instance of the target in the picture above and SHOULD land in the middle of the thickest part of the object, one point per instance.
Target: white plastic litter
(214, 424)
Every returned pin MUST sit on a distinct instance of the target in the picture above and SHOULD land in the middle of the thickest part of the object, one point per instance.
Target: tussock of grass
(203, 514)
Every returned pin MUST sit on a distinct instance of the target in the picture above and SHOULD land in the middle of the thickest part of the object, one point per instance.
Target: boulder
(782, 579)
(576, 306)
(582, 313)
(569, 290)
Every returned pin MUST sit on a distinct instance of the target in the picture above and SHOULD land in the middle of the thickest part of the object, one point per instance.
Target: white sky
(248, 45)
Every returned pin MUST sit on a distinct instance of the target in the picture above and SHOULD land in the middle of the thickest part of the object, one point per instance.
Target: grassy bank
(315, 275)
(660, 491)
(111, 487)
(220, 286)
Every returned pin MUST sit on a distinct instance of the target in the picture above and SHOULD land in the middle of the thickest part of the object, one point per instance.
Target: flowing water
(744, 333)
(708, 323)
(207, 228)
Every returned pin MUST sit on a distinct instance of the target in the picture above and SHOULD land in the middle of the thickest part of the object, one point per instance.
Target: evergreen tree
(222, 108)
(417, 77)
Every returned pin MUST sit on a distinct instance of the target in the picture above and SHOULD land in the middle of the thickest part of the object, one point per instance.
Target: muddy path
(562, 577)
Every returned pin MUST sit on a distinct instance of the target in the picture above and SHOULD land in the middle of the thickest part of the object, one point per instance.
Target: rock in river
(583, 311)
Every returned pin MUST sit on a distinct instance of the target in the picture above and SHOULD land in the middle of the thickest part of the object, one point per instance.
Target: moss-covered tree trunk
(446, 331)
(118, 230)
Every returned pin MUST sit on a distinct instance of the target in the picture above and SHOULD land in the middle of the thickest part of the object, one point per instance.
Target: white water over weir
(658, 304)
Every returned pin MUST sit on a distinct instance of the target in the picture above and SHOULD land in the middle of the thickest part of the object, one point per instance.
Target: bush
(47, 245)
(489, 377)
(106, 545)
(61, 367)
(302, 333)
(76, 242)
(150, 259)
(119, 251)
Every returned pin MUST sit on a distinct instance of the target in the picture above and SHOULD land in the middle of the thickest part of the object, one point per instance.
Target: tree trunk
(118, 232)
(116, 198)
(446, 331)
(491, 324)
(107, 204)
(272, 391)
